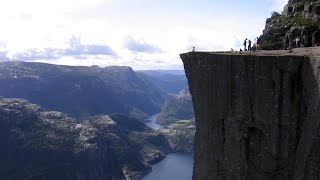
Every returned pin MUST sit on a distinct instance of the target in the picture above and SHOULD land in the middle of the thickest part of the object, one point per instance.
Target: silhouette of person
(258, 43)
(193, 49)
(245, 44)
(249, 44)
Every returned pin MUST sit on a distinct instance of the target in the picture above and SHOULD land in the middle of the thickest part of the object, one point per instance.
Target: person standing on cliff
(245, 44)
(249, 44)
(258, 43)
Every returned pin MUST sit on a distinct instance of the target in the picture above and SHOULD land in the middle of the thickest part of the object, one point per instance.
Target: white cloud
(43, 28)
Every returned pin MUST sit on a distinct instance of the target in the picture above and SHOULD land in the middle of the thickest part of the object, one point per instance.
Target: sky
(143, 34)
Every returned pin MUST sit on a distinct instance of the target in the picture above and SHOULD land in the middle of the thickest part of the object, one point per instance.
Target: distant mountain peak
(184, 95)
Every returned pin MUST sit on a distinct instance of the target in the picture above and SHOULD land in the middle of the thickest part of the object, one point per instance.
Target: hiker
(193, 49)
(249, 44)
(258, 43)
(297, 42)
(245, 44)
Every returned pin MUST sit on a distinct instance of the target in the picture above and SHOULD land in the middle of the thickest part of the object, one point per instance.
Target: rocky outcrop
(39, 144)
(300, 18)
(309, 9)
(176, 107)
(257, 114)
(180, 136)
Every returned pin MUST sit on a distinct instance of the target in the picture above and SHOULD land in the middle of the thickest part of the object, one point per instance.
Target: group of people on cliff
(247, 44)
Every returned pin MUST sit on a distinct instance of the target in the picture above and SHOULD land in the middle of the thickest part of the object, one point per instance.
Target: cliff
(257, 114)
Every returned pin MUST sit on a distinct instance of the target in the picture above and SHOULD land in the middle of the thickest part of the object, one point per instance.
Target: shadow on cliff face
(308, 150)
(257, 117)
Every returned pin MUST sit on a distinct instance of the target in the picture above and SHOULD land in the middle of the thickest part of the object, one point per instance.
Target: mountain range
(73, 122)
(81, 91)
(169, 81)
(40, 144)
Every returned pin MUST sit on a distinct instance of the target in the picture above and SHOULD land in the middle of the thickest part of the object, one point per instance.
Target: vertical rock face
(257, 116)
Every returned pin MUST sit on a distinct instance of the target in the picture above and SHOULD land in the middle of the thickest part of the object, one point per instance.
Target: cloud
(34, 54)
(40, 30)
(3, 56)
(57, 6)
(140, 46)
(77, 48)
(3, 51)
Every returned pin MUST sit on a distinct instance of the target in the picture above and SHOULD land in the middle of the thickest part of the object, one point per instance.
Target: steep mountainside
(81, 91)
(257, 114)
(168, 81)
(180, 135)
(300, 18)
(39, 144)
(177, 107)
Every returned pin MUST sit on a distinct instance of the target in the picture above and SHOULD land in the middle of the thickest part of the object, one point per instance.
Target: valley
(86, 122)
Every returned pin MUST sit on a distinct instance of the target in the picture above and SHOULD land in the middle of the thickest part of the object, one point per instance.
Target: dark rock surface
(257, 115)
(39, 144)
(81, 91)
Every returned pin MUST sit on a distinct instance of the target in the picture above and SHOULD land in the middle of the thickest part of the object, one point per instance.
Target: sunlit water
(176, 166)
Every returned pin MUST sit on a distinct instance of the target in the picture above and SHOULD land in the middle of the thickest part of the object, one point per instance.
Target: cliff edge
(257, 114)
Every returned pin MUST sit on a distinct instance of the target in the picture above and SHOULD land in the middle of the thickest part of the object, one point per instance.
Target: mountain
(169, 81)
(180, 135)
(40, 144)
(159, 73)
(300, 18)
(81, 91)
(177, 107)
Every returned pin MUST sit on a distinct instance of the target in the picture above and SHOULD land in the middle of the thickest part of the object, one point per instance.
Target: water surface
(151, 122)
(176, 166)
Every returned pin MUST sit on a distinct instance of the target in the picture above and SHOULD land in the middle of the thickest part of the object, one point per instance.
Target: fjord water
(176, 166)
(151, 122)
